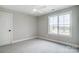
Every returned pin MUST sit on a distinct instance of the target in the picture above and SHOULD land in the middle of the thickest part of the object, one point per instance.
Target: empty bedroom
(39, 28)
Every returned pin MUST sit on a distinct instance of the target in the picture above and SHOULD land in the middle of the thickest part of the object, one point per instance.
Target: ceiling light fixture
(35, 10)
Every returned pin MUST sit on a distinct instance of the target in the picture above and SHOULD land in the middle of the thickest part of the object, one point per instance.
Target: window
(53, 24)
(60, 24)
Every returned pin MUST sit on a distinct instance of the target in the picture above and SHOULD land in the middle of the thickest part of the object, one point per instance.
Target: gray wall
(43, 27)
(24, 25)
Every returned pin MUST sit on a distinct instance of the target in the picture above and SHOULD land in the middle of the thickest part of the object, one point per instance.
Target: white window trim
(57, 14)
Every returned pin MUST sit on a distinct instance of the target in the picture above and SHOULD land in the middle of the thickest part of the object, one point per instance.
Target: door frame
(10, 27)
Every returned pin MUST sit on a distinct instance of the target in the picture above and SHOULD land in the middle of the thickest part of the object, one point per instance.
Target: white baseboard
(24, 39)
(70, 44)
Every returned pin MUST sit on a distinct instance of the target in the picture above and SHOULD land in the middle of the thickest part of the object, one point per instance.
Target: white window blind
(60, 24)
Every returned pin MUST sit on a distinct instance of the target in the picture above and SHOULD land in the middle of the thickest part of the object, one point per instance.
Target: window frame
(49, 24)
(58, 14)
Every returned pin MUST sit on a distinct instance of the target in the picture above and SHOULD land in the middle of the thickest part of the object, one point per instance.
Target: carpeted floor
(37, 46)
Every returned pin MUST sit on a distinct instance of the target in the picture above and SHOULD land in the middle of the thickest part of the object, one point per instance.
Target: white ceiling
(39, 9)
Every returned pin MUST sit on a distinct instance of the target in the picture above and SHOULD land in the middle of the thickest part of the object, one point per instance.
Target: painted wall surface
(24, 26)
(43, 26)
